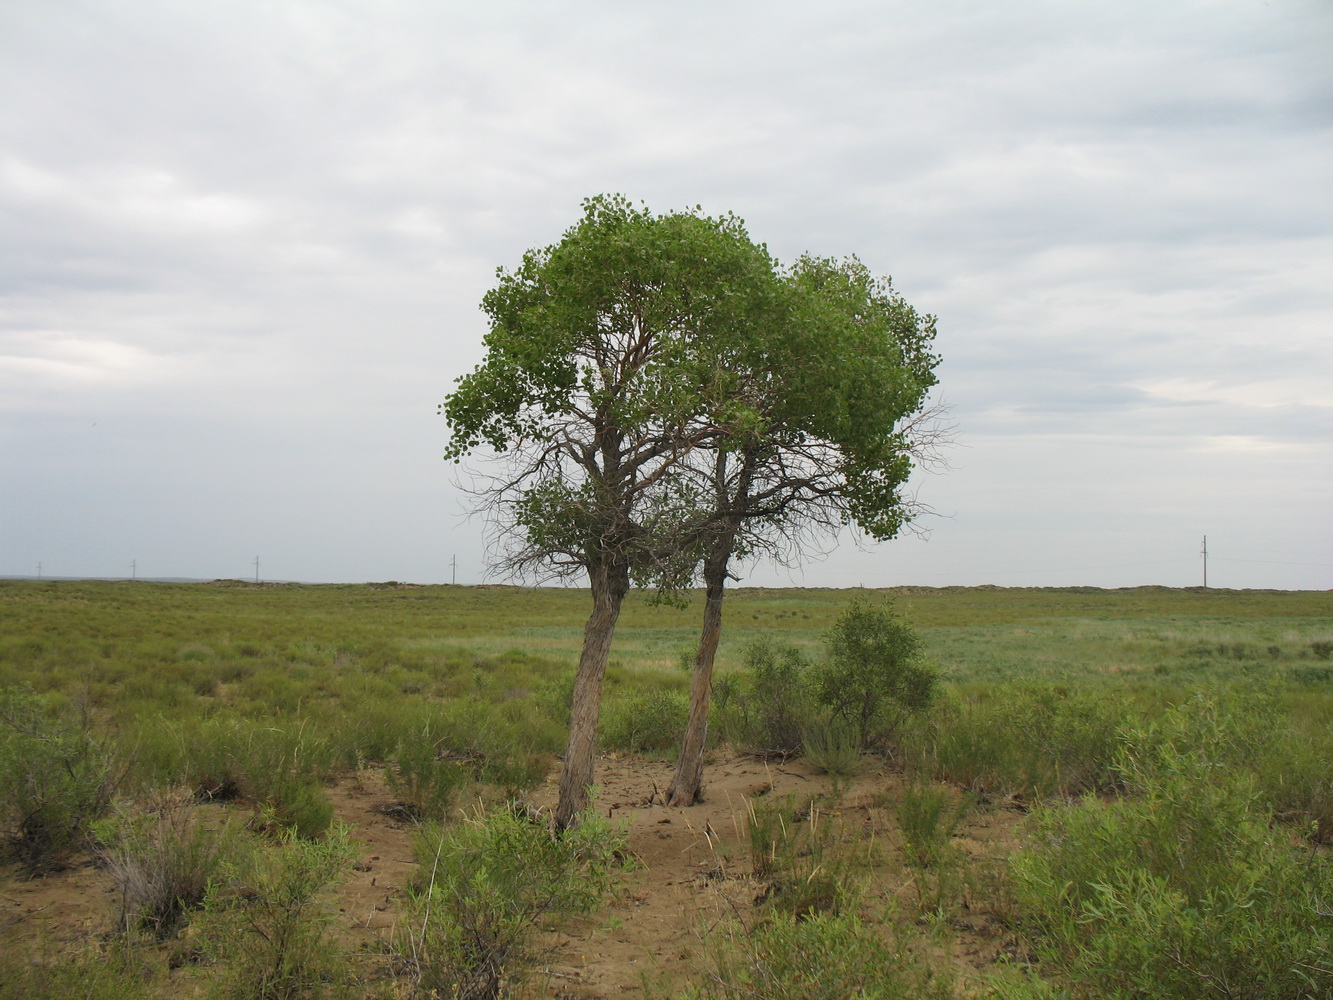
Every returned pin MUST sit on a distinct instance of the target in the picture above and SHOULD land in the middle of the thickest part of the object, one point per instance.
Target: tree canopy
(661, 394)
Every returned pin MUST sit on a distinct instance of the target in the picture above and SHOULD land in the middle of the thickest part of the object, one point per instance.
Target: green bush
(267, 920)
(769, 705)
(833, 747)
(1033, 741)
(485, 887)
(55, 780)
(873, 678)
(1182, 889)
(1296, 779)
(824, 956)
(118, 973)
(928, 818)
(162, 862)
(647, 723)
(425, 778)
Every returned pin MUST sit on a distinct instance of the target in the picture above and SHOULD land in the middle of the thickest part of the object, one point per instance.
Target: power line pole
(1204, 552)
(39, 571)
(453, 563)
(134, 569)
(256, 569)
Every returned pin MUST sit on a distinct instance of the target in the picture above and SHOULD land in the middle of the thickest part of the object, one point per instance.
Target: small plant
(163, 863)
(796, 850)
(425, 778)
(485, 887)
(117, 973)
(833, 747)
(817, 957)
(55, 780)
(266, 917)
(928, 818)
(647, 723)
(768, 706)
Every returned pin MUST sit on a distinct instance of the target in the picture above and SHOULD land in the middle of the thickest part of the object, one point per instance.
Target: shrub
(425, 781)
(797, 851)
(486, 884)
(163, 863)
(768, 707)
(1034, 741)
(1182, 890)
(818, 957)
(115, 974)
(646, 723)
(266, 919)
(55, 779)
(873, 677)
(1296, 780)
(928, 817)
(833, 747)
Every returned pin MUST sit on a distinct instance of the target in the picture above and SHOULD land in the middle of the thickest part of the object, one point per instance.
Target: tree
(831, 409)
(600, 381)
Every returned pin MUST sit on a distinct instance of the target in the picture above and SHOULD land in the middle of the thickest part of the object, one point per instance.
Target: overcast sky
(244, 243)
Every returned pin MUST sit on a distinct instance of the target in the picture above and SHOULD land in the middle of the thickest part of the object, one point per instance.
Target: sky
(244, 244)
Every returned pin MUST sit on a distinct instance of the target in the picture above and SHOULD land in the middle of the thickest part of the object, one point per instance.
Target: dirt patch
(693, 870)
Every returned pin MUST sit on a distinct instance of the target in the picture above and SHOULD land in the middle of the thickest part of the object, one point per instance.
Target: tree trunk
(686, 787)
(609, 587)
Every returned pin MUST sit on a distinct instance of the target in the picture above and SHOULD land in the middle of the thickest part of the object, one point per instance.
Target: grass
(266, 692)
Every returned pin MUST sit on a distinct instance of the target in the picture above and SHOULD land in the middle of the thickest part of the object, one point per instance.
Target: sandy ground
(693, 869)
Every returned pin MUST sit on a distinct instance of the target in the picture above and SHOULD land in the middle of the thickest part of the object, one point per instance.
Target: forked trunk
(609, 587)
(686, 787)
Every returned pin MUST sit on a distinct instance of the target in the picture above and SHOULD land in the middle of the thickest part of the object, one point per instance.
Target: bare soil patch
(693, 870)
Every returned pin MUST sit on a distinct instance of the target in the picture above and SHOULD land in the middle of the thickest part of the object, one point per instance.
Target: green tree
(601, 379)
(828, 413)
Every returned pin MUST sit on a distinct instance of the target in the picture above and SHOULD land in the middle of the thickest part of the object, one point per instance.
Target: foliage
(116, 973)
(1020, 740)
(928, 817)
(646, 723)
(55, 779)
(770, 706)
(266, 917)
(873, 677)
(832, 746)
(824, 956)
(798, 851)
(485, 887)
(1184, 888)
(163, 862)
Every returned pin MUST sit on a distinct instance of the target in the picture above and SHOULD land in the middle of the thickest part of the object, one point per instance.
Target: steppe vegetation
(1046, 793)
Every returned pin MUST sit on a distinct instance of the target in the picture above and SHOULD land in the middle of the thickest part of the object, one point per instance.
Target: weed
(265, 917)
(485, 886)
(1183, 889)
(833, 747)
(55, 779)
(162, 862)
(831, 954)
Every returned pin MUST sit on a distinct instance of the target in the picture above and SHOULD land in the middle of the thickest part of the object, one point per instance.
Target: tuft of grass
(485, 887)
(163, 862)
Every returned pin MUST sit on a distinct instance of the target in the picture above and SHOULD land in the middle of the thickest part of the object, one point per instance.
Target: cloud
(259, 232)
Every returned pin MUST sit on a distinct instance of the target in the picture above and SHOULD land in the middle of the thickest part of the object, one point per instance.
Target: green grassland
(1123, 718)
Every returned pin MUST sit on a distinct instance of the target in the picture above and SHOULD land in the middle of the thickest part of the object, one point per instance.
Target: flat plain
(381, 709)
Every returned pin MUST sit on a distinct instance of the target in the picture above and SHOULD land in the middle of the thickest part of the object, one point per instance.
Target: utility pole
(39, 571)
(453, 563)
(134, 569)
(256, 569)
(1204, 552)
